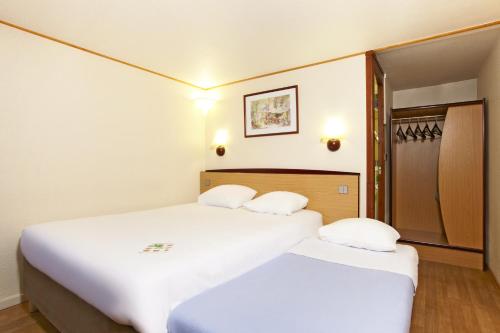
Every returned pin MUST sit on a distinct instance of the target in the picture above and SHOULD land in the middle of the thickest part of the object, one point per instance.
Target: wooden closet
(438, 181)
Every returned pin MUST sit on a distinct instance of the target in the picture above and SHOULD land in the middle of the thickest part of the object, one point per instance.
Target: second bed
(317, 287)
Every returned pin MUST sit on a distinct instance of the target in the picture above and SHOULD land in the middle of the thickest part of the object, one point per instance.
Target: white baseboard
(9, 301)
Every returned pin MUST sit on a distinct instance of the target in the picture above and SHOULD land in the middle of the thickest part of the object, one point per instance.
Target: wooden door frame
(373, 68)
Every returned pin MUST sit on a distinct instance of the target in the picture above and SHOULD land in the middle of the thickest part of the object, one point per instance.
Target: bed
(91, 274)
(317, 287)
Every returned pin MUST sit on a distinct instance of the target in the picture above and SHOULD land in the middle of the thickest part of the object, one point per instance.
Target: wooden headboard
(321, 187)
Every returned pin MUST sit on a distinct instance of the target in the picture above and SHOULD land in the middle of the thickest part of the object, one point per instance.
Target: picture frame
(271, 112)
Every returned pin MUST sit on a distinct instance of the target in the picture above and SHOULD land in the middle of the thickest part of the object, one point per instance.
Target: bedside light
(220, 142)
(333, 134)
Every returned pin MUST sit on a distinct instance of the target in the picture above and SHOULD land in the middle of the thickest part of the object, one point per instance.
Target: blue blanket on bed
(294, 293)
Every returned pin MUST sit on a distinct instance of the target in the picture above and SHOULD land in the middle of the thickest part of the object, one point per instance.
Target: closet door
(461, 176)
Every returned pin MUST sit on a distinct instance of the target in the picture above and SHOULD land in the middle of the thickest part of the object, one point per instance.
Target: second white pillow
(362, 233)
(278, 202)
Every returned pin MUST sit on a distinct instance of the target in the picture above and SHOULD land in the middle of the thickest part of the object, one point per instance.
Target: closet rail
(419, 118)
(417, 132)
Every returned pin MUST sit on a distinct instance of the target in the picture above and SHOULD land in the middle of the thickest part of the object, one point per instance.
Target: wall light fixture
(333, 133)
(220, 142)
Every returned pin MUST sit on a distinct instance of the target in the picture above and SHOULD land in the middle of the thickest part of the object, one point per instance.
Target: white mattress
(402, 261)
(100, 258)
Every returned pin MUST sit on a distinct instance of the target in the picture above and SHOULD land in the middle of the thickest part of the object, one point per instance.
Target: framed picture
(272, 112)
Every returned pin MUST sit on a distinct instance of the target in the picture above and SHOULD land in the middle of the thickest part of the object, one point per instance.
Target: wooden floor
(455, 299)
(449, 299)
(18, 319)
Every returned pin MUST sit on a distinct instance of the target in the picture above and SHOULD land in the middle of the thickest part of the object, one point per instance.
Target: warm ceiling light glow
(205, 99)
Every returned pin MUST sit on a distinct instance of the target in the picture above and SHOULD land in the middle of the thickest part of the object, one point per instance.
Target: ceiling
(439, 61)
(213, 42)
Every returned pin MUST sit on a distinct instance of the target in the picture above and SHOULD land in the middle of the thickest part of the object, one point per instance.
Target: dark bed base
(66, 311)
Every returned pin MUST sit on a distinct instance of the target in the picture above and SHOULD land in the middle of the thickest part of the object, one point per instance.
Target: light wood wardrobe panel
(461, 176)
(415, 206)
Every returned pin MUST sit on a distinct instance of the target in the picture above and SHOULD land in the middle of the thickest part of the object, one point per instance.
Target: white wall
(334, 89)
(489, 88)
(83, 136)
(444, 93)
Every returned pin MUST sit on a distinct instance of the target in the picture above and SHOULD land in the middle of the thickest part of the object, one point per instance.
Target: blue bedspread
(294, 293)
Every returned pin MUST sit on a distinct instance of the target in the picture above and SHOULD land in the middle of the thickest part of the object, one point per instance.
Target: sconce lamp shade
(220, 142)
(334, 131)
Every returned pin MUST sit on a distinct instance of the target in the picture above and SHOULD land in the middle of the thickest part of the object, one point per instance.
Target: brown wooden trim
(296, 87)
(485, 175)
(408, 241)
(380, 49)
(287, 171)
(437, 36)
(99, 54)
(372, 68)
(390, 174)
(370, 177)
(381, 133)
(378, 67)
(281, 71)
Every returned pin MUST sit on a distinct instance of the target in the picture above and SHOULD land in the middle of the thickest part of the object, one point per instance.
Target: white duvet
(100, 259)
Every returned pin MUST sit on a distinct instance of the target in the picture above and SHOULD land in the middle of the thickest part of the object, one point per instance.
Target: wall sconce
(220, 142)
(333, 144)
(333, 134)
(205, 99)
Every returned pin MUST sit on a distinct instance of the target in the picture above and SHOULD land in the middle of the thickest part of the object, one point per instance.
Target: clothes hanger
(435, 129)
(418, 131)
(427, 131)
(409, 132)
(400, 134)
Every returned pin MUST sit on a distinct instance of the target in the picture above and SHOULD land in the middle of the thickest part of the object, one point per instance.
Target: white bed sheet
(100, 259)
(402, 261)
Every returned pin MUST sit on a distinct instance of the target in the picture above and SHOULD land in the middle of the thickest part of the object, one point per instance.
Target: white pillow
(362, 233)
(230, 196)
(279, 203)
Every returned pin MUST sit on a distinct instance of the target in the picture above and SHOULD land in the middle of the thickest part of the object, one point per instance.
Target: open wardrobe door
(437, 178)
(461, 169)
